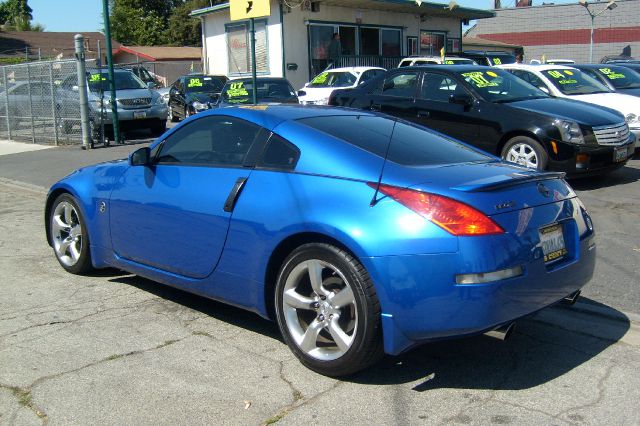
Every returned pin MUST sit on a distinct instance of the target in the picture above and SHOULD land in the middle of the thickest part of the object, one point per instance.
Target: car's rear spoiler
(516, 179)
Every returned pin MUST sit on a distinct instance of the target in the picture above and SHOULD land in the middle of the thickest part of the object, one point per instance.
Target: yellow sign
(245, 9)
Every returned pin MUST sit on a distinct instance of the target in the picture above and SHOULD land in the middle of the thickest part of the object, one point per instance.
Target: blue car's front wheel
(68, 235)
(328, 311)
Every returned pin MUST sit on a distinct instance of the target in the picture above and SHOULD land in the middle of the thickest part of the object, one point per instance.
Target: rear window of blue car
(411, 145)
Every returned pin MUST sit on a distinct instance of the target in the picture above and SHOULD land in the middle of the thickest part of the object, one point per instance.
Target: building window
(390, 43)
(431, 42)
(239, 48)
(453, 45)
(369, 41)
(412, 46)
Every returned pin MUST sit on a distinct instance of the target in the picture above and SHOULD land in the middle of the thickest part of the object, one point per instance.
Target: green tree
(140, 22)
(183, 29)
(17, 15)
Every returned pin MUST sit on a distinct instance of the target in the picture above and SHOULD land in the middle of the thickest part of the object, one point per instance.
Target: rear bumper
(421, 301)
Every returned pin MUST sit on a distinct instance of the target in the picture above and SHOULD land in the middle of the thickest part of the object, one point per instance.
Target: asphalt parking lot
(115, 348)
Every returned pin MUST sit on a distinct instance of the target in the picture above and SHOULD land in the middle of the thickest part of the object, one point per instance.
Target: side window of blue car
(279, 154)
(209, 141)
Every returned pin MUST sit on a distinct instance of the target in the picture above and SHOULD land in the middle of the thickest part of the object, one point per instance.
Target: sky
(86, 15)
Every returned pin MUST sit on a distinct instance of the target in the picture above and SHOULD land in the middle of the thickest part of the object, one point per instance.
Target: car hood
(623, 103)
(572, 110)
(203, 97)
(492, 187)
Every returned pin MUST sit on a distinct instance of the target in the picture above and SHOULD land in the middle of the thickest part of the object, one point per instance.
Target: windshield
(500, 86)
(99, 82)
(574, 82)
(501, 59)
(240, 92)
(203, 84)
(333, 79)
(621, 78)
(459, 61)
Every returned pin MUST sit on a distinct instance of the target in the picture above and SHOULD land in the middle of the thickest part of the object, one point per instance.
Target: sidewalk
(10, 147)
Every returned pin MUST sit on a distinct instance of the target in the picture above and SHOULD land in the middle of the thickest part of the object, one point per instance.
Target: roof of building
(478, 41)
(407, 6)
(163, 53)
(49, 43)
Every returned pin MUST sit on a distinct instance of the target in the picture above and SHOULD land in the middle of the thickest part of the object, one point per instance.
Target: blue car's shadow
(539, 350)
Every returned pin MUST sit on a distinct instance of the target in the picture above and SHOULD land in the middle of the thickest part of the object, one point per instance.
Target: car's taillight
(453, 216)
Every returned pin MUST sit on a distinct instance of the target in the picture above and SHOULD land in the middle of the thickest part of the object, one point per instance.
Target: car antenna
(374, 200)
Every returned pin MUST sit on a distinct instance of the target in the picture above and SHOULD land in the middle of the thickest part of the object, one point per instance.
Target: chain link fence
(32, 106)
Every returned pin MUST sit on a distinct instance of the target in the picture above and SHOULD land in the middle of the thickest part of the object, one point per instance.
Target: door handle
(423, 114)
(375, 107)
(234, 194)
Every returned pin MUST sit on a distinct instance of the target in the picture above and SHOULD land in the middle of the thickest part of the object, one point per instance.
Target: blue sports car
(360, 233)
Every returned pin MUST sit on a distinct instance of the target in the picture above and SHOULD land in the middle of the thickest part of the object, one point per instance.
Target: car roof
(449, 68)
(535, 67)
(281, 79)
(354, 69)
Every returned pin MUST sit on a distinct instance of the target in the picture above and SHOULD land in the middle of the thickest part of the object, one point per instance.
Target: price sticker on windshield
(194, 82)
(320, 78)
(611, 75)
(497, 61)
(478, 79)
(96, 78)
(561, 77)
(237, 90)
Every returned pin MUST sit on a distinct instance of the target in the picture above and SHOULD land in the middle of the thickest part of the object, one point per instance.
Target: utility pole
(112, 85)
(610, 6)
(252, 30)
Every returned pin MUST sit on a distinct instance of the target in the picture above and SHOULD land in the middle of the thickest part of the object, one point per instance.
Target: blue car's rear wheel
(328, 311)
(68, 235)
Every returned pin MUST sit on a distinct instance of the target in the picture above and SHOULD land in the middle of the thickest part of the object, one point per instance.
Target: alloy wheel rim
(524, 155)
(320, 310)
(66, 231)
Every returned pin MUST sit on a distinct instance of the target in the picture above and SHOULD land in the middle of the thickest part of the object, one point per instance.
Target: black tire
(526, 146)
(66, 223)
(159, 128)
(359, 319)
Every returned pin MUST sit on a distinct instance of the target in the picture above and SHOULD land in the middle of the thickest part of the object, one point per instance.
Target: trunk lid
(491, 187)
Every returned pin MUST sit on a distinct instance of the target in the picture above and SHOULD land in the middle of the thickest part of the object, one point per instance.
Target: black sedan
(501, 114)
(194, 93)
(616, 77)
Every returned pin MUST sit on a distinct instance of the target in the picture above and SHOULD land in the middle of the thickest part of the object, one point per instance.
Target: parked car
(145, 75)
(434, 60)
(490, 58)
(566, 82)
(138, 106)
(635, 66)
(193, 93)
(27, 99)
(318, 90)
(618, 59)
(357, 232)
(617, 78)
(270, 90)
(501, 114)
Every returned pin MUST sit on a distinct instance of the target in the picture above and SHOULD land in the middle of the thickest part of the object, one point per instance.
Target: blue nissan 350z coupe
(359, 233)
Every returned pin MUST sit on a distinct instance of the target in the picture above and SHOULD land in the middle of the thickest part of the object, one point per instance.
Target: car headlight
(630, 118)
(569, 131)
(199, 105)
(159, 101)
(99, 103)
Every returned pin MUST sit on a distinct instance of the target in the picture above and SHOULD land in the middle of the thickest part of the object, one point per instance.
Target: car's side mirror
(151, 85)
(302, 93)
(140, 157)
(461, 99)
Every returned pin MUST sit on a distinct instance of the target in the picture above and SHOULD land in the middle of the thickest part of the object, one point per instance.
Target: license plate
(552, 242)
(620, 154)
(139, 114)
